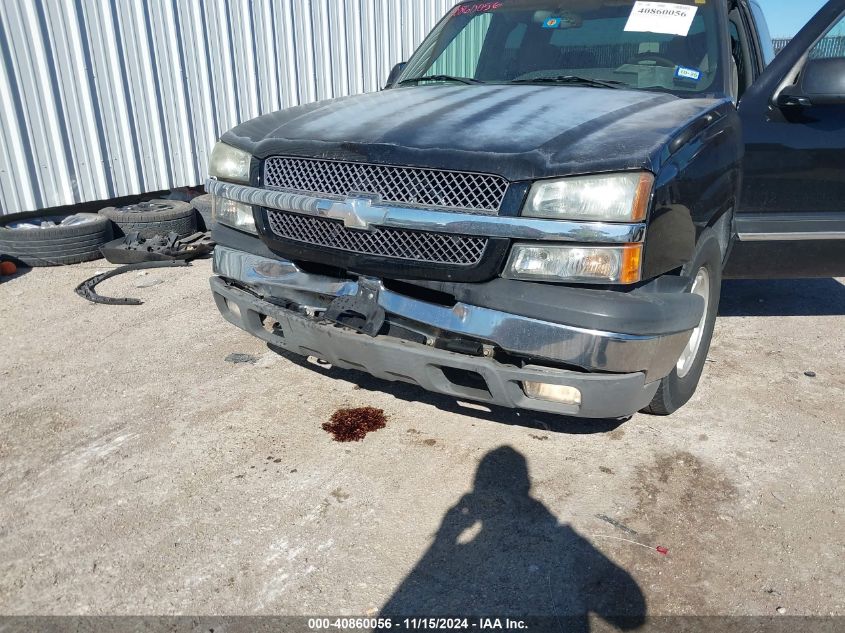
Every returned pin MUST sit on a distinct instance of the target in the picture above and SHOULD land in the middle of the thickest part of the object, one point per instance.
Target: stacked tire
(155, 217)
(203, 204)
(55, 245)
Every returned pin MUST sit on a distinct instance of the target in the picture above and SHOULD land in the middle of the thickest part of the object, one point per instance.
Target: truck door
(790, 219)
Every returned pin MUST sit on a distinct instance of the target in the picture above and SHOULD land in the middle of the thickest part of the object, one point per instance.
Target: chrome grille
(480, 193)
(437, 248)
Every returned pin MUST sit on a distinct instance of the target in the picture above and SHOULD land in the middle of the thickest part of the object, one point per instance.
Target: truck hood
(521, 132)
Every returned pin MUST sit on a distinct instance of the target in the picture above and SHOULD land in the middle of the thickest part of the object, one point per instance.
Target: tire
(679, 387)
(54, 246)
(202, 204)
(155, 217)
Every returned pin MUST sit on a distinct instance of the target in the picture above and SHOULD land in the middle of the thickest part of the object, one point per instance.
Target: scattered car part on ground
(154, 217)
(39, 239)
(134, 249)
(241, 359)
(86, 288)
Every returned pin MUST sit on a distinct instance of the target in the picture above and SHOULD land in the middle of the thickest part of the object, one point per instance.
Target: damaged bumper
(615, 373)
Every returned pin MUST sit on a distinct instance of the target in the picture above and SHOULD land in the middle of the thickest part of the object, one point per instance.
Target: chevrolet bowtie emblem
(357, 212)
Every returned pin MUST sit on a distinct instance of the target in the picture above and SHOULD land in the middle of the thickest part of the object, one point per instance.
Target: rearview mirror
(822, 82)
(394, 74)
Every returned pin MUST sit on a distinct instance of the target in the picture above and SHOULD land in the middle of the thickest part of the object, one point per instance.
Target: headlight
(620, 197)
(230, 164)
(581, 264)
(234, 214)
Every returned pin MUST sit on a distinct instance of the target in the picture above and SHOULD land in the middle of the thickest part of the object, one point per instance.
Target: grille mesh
(481, 193)
(438, 248)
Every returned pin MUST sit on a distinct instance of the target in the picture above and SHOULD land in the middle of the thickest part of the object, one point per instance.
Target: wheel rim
(144, 207)
(700, 287)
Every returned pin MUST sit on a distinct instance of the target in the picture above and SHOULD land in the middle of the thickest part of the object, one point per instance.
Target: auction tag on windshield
(661, 17)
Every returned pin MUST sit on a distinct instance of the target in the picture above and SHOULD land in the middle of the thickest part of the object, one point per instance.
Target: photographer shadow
(501, 553)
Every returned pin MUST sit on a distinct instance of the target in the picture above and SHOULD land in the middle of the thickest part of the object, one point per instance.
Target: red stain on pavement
(353, 425)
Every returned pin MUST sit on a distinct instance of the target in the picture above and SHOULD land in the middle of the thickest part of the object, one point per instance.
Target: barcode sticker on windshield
(661, 17)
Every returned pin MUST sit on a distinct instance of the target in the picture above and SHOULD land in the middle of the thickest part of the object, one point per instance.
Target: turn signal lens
(580, 264)
(234, 214)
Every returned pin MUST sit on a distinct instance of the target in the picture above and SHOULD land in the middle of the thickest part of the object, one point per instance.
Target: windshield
(668, 46)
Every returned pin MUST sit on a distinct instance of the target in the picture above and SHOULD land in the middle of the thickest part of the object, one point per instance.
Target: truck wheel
(706, 273)
(156, 217)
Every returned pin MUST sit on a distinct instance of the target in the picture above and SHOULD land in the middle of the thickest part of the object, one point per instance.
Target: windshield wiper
(463, 80)
(571, 79)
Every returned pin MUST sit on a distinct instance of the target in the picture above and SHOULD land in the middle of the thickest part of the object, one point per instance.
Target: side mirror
(394, 74)
(822, 82)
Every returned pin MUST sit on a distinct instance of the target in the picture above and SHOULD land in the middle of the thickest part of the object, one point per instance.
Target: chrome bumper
(363, 214)
(595, 351)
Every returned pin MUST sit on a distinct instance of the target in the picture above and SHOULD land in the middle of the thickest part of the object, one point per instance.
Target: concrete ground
(142, 473)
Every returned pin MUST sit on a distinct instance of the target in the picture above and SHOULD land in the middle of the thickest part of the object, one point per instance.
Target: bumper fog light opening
(560, 394)
(234, 309)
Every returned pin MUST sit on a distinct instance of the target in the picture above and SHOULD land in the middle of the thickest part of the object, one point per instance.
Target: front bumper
(620, 371)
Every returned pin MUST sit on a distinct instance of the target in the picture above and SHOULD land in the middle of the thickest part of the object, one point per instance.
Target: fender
(696, 185)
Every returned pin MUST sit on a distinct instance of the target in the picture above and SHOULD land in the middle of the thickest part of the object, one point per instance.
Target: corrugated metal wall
(460, 58)
(780, 43)
(106, 98)
(826, 48)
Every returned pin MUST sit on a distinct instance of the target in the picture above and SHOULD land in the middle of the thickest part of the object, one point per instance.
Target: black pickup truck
(539, 208)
